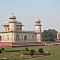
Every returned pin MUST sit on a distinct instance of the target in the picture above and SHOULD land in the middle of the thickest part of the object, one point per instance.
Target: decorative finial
(12, 13)
(12, 16)
(38, 20)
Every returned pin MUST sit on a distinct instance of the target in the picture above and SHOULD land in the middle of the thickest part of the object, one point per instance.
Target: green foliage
(55, 50)
(2, 49)
(49, 35)
(32, 51)
(26, 49)
(41, 50)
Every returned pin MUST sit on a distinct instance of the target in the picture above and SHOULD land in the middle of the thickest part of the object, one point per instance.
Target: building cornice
(17, 32)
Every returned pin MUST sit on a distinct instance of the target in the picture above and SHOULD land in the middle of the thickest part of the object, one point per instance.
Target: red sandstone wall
(57, 35)
(5, 44)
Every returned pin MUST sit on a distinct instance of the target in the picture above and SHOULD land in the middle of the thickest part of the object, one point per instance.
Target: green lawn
(16, 55)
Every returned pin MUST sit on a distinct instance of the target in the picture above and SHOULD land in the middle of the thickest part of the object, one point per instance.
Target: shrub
(26, 49)
(2, 49)
(32, 51)
(41, 50)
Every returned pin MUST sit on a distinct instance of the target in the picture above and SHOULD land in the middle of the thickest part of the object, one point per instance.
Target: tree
(49, 35)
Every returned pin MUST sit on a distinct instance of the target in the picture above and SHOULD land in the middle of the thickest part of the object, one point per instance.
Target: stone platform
(19, 44)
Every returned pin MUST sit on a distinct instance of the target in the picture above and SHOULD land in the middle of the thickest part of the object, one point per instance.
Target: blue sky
(26, 11)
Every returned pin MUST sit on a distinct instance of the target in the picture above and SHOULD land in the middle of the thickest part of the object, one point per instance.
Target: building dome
(38, 20)
(12, 16)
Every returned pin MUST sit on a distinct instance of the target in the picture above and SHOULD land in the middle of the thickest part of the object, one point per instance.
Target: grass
(16, 55)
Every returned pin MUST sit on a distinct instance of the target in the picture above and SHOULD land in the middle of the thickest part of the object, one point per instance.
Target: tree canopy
(49, 35)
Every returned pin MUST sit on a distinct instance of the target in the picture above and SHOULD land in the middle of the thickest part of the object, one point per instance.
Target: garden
(30, 53)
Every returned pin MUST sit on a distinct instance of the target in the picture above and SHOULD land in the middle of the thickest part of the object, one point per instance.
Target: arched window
(8, 37)
(17, 37)
(20, 29)
(25, 37)
(8, 28)
(3, 37)
(0, 38)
